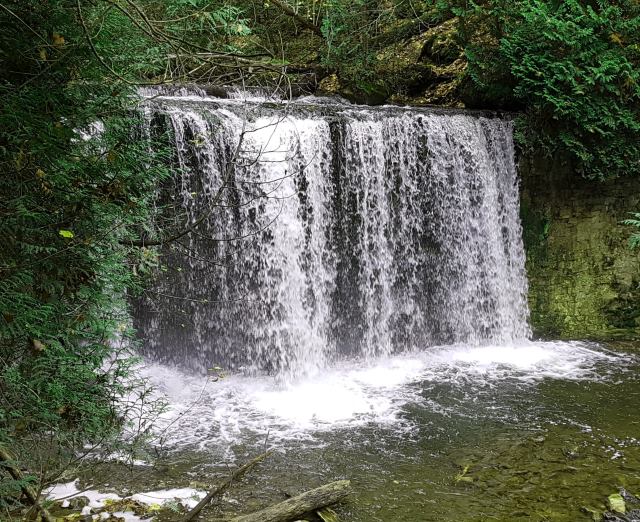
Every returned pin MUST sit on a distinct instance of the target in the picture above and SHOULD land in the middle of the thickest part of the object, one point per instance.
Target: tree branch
(213, 205)
(85, 29)
(223, 487)
(287, 9)
(16, 474)
(295, 507)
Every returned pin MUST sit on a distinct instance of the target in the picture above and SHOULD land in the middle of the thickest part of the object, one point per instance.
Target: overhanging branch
(288, 10)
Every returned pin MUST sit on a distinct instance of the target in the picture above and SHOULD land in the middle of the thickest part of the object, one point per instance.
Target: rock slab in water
(616, 503)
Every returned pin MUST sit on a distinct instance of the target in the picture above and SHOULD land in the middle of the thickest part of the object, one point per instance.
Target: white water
(365, 232)
(214, 415)
(380, 253)
(97, 500)
(370, 239)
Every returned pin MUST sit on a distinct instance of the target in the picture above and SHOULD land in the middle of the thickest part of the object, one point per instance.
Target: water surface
(528, 431)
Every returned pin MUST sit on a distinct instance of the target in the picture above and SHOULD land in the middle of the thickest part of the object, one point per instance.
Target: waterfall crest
(333, 230)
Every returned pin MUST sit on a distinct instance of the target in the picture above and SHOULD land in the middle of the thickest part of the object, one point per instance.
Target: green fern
(634, 239)
(574, 67)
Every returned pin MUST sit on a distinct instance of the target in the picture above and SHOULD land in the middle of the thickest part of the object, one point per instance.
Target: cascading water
(325, 236)
(326, 230)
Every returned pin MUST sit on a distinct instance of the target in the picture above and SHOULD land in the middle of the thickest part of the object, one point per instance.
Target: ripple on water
(237, 409)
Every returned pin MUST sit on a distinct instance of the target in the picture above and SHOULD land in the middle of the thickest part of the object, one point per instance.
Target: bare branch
(307, 24)
(97, 54)
(212, 206)
(7, 462)
(223, 487)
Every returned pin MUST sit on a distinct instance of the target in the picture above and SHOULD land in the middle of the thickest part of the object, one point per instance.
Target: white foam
(211, 414)
(525, 361)
(186, 496)
(69, 490)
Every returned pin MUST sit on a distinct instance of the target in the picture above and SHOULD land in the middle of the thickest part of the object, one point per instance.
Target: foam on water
(217, 414)
(526, 361)
(339, 248)
(69, 490)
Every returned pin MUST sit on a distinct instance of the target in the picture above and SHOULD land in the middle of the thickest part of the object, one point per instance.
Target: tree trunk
(308, 24)
(295, 507)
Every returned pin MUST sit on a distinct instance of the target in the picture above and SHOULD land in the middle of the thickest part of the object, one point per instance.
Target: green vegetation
(78, 183)
(77, 186)
(634, 240)
(574, 67)
(74, 184)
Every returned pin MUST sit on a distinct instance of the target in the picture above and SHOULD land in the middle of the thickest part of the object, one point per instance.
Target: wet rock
(329, 85)
(629, 497)
(596, 515)
(328, 515)
(78, 502)
(127, 504)
(196, 484)
(616, 503)
(612, 517)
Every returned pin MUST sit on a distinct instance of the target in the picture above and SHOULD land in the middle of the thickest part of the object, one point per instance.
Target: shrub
(574, 66)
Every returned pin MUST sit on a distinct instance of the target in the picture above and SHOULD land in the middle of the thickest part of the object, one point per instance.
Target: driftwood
(223, 487)
(293, 508)
(16, 474)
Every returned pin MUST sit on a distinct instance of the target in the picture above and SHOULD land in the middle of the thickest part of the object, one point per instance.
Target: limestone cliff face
(584, 280)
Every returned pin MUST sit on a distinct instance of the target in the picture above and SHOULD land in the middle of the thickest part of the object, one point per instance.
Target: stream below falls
(534, 431)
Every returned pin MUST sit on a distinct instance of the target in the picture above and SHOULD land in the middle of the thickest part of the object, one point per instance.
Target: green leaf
(66, 233)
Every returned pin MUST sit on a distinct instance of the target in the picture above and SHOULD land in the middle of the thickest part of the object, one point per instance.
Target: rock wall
(584, 280)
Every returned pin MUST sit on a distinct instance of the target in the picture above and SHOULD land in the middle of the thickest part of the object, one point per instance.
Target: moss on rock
(583, 277)
(426, 69)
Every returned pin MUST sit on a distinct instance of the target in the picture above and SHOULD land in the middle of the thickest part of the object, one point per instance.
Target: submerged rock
(596, 515)
(77, 502)
(616, 503)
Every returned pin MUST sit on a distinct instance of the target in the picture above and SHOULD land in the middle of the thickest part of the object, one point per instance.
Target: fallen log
(223, 487)
(293, 508)
(6, 460)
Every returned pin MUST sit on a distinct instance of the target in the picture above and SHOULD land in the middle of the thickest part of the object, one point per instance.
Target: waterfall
(327, 230)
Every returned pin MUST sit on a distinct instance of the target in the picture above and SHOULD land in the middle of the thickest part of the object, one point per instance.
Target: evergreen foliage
(634, 239)
(77, 185)
(573, 66)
